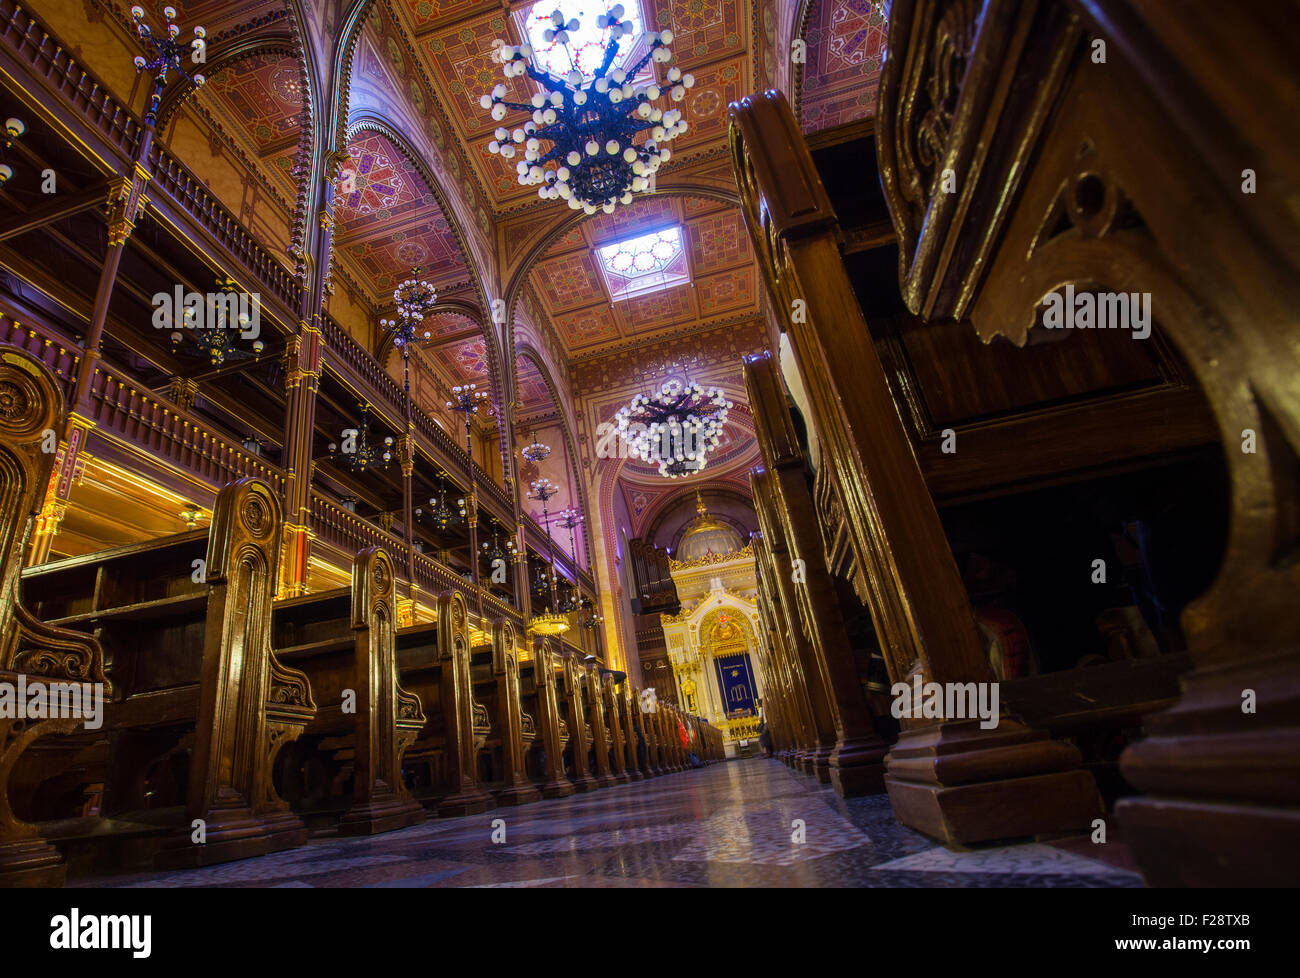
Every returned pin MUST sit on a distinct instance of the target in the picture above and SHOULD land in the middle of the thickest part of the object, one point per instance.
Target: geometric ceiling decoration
(257, 101)
(451, 42)
(388, 220)
(846, 43)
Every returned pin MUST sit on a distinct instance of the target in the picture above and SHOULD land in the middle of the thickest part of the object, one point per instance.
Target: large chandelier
(592, 115)
(676, 426)
(537, 451)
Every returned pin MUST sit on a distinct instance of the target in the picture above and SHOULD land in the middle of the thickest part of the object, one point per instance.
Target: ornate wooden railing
(119, 409)
(190, 193)
(47, 348)
(33, 46)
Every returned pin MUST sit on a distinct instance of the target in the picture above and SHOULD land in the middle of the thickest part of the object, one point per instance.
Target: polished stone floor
(730, 824)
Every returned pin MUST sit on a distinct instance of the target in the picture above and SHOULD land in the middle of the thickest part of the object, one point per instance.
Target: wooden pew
(649, 724)
(433, 662)
(594, 701)
(630, 707)
(201, 705)
(495, 683)
(572, 693)
(540, 697)
(30, 650)
(614, 724)
(344, 641)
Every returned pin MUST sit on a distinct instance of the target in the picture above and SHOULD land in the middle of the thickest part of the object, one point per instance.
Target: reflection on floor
(731, 824)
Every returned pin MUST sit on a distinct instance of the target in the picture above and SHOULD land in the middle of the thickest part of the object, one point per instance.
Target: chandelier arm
(520, 106)
(644, 58)
(611, 52)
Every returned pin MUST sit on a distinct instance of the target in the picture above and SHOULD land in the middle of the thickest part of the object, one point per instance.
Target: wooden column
(302, 365)
(950, 779)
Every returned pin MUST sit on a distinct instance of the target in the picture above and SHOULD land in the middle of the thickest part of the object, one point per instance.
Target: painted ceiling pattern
(453, 42)
(388, 221)
(846, 43)
(716, 257)
(256, 103)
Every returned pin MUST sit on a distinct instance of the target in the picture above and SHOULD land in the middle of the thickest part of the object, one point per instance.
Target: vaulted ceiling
(418, 186)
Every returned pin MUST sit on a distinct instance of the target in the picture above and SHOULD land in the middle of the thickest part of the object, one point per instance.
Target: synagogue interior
(761, 443)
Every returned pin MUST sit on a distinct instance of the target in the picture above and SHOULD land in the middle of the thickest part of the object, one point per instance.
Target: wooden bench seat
(433, 663)
(200, 705)
(348, 762)
(494, 674)
(539, 696)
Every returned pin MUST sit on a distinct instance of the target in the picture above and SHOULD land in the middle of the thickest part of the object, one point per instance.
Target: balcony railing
(46, 348)
(136, 416)
(33, 46)
(187, 191)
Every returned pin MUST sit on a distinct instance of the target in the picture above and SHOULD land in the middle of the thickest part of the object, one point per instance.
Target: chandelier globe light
(591, 120)
(676, 426)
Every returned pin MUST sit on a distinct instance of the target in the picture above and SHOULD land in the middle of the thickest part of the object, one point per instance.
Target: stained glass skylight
(586, 45)
(644, 263)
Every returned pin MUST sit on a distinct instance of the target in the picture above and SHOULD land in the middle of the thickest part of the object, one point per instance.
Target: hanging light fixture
(14, 127)
(441, 515)
(167, 55)
(550, 622)
(495, 550)
(676, 426)
(592, 112)
(537, 451)
(363, 455)
(414, 299)
(217, 338)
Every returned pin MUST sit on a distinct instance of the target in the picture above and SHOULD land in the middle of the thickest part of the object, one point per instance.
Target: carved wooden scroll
(31, 415)
(517, 789)
(388, 718)
(457, 694)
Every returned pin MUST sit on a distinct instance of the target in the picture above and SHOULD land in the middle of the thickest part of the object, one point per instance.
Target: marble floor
(731, 824)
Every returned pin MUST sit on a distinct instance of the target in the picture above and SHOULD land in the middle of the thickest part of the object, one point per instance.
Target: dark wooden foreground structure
(1027, 147)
